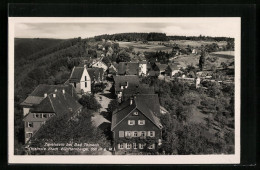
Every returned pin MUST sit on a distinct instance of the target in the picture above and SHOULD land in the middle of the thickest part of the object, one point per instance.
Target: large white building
(81, 80)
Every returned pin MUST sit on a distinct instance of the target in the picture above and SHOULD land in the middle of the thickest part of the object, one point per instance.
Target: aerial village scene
(136, 93)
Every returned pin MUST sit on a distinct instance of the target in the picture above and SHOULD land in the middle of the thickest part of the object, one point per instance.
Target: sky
(215, 27)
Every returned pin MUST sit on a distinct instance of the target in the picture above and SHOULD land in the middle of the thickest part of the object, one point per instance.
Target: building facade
(135, 125)
(80, 80)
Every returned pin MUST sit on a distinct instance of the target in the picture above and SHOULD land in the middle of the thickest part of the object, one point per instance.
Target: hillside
(28, 46)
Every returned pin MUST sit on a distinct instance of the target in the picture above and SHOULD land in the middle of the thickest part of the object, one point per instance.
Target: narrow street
(104, 99)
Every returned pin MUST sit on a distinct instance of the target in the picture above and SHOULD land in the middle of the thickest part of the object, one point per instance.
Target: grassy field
(224, 54)
(184, 43)
(141, 47)
(192, 59)
(153, 46)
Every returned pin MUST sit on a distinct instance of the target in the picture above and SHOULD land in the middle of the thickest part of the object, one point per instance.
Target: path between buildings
(104, 100)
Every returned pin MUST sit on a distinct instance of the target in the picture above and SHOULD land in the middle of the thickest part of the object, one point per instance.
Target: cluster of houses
(135, 118)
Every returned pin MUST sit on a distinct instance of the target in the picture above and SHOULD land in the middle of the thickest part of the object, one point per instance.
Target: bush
(89, 102)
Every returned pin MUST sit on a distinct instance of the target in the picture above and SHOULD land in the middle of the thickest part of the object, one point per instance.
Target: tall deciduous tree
(202, 60)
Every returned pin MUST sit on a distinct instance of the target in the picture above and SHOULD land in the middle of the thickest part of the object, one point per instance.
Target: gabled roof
(138, 89)
(76, 74)
(32, 100)
(161, 67)
(62, 103)
(173, 67)
(148, 104)
(128, 68)
(38, 94)
(121, 80)
(95, 73)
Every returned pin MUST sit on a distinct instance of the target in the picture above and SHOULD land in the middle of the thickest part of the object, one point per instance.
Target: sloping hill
(27, 46)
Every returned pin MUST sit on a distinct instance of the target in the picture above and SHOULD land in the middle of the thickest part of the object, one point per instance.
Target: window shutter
(148, 133)
(118, 146)
(153, 133)
(121, 134)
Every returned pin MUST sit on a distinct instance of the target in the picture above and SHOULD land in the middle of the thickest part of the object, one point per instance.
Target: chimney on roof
(53, 95)
(45, 95)
(85, 65)
(131, 101)
(63, 91)
(126, 85)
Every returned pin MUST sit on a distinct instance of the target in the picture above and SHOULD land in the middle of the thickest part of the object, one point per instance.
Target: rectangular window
(141, 146)
(75, 85)
(128, 146)
(44, 115)
(127, 134)
(50, 115)
(30, 124)
(85, 78)
(36, 115)
(143, 134)
(151, 133)
(85, 84)
(135, 134)
(141, 122)
(29, 135)
(121, 146)
(131, 122)
(121, 134)
(134, 146)
(151, 146)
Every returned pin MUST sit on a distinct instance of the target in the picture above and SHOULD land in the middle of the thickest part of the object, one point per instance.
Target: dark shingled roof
(30, 117)
(76, 74)
(128, 68)
(153, 73)
(61, 104)
(148, 104)
(173, 67)
(137, 89)
(38, 94)
(121, 80)
(96, 74)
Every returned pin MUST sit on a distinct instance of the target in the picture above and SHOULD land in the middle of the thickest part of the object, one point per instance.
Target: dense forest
(26, 46)
(157, 37)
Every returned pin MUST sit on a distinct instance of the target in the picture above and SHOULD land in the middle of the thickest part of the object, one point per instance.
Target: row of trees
(134, 37)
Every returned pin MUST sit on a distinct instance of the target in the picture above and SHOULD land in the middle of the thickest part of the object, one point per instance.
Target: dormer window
(135, 113)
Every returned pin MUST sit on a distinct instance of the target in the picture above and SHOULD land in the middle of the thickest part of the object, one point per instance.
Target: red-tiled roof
(148, 104)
